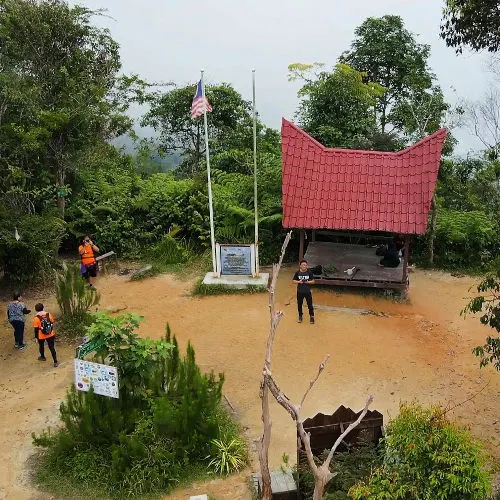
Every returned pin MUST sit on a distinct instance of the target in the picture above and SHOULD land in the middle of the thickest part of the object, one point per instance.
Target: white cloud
(170, 40)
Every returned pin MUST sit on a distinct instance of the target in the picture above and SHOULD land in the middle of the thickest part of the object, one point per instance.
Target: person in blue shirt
(15, 314)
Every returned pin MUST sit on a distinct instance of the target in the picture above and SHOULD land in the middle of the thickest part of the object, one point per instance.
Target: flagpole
(207, 152)
(255, 178)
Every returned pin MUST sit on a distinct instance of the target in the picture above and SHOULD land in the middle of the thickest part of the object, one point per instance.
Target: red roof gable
(325, 188)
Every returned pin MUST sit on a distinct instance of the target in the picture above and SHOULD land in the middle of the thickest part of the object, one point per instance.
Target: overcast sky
(171, 40)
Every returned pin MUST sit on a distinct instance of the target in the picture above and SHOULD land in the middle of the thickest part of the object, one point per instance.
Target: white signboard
(102, 378)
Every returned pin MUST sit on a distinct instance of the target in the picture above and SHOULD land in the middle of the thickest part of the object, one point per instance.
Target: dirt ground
(417, 350)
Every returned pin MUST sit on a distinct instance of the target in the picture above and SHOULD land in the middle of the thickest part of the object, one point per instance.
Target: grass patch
(193, 264)
(49, 478)
(86, 473)
(200, 289)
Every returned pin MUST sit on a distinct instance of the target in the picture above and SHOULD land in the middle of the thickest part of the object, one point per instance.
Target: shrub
(487, 303)
(227, 455)
(426, 456)
(169, 251)
(464, 239)
(74, 300)
(350, 467)
(155, 435)
(34, 254)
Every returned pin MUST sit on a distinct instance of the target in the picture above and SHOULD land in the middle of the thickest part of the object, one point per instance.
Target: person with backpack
(15, 315)
(87, 251)
(43, 324)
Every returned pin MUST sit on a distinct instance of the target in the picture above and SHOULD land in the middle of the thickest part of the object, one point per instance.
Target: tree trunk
(322, 476)
(383, 118)
(266, 492)
(432, 230)
(319, 489)
(61, 199)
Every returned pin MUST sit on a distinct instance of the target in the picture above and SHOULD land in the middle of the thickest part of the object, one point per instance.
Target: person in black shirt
(304, 279)
(391, 255)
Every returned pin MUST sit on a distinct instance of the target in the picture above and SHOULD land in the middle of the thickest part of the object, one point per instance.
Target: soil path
(417, 350)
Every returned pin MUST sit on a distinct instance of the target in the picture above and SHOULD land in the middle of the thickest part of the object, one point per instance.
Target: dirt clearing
(417, 350)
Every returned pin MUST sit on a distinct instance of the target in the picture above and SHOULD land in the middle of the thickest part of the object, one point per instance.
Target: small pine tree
(74, 299)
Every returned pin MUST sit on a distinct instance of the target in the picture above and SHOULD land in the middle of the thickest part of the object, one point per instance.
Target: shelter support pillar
(301, 244)
(406, 258)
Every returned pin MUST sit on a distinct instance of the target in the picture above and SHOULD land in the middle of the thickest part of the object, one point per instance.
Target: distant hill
(128, 146)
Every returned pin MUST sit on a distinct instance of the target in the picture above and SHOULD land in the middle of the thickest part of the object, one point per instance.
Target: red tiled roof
(325, 188)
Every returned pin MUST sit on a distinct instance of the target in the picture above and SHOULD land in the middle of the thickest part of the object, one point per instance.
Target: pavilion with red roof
(356, 196)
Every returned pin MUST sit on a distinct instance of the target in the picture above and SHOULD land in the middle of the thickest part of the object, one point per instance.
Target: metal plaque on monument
(236, 260)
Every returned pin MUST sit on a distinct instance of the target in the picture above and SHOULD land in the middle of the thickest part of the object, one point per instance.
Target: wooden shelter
(358, 198)
(324, 430)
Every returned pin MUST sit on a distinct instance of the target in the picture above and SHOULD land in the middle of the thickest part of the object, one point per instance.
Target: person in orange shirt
(87, 251)
(43, 324)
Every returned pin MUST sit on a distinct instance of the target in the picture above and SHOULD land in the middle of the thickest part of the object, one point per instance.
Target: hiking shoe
(16, 346)
(299, 320)
(22, 347)
(311, 320)
(56, 364)
(42, 358)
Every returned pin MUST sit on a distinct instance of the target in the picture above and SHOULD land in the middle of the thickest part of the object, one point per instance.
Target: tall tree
(59, 88)
(230, 123)
(474, 24)
(337, 107)
(420, 113)
(483, 118)
(390, 56)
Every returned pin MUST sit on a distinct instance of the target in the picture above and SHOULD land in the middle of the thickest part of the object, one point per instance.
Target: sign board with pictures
(102, 378)
(236, 260)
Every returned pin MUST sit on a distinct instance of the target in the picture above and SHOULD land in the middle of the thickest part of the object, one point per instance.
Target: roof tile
(362, 190)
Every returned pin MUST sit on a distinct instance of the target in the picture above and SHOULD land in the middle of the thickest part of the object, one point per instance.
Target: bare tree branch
(322, 474)
(312, 382)
(281, 397)
(483, 118)
(353, 425)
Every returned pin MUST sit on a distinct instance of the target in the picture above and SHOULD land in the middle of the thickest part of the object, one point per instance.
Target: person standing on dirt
(304, 279)
(43, 323)
(87, 251)
(15, 315)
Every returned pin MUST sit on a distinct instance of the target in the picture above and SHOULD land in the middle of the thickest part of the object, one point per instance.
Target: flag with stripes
(200, 104)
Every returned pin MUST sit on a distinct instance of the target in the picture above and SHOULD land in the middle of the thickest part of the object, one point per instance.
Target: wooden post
(406, 256)
(301, 245)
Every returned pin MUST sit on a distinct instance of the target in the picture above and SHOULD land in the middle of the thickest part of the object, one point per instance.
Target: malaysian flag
(200, 104)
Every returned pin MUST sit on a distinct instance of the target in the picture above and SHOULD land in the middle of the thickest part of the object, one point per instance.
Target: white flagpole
(255, 178)
(207, 152)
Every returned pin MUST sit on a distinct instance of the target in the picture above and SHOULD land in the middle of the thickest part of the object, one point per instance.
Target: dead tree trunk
(265, 440)
(322, 474)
